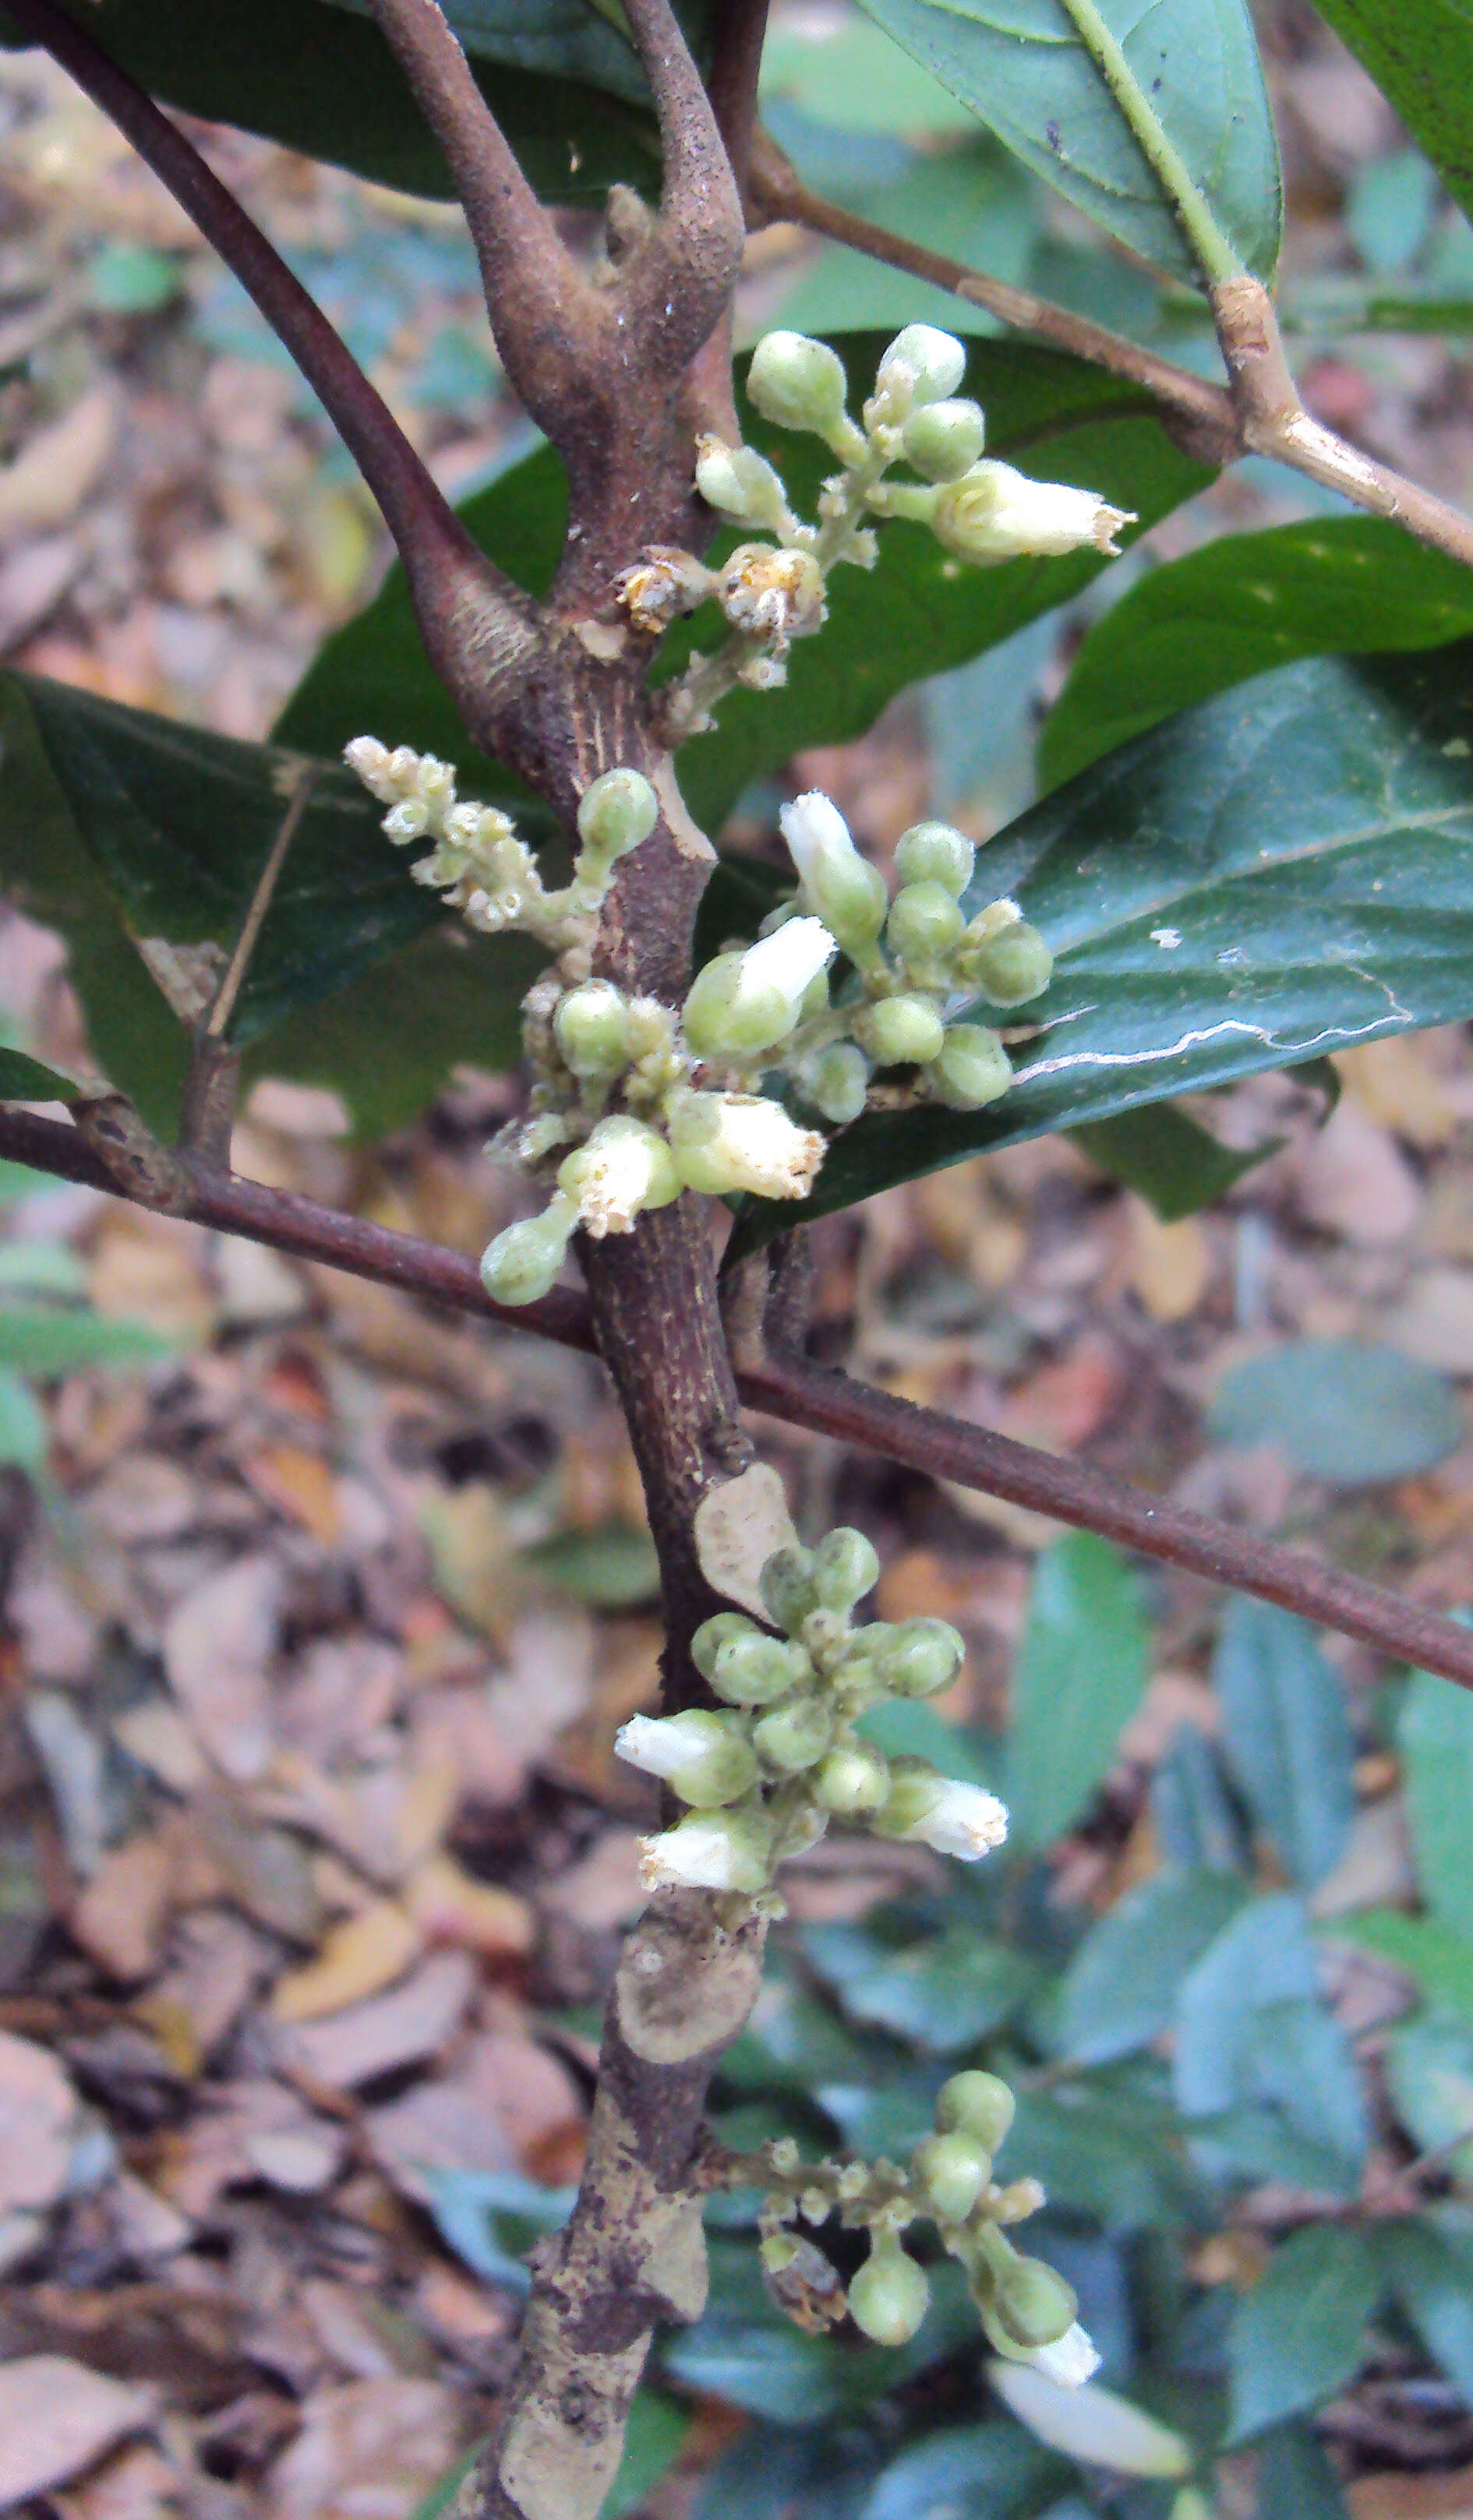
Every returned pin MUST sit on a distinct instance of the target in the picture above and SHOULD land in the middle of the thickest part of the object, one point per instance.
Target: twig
(1273, 420)
(1262, 415)
(426, 529)
(732, 85)
(801, 1394)
(546, 316)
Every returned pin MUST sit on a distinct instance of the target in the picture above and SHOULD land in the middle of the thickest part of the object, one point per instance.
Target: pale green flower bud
(824, 1634)
(950, 2170)
(925, 920)
(1011, 965)
(978, 2104)
(994, 514)
(795, 1736)
(712, 1633)
(844, 1568)
(837, 1083)
(944, 439)
(1033, 2303)
(726, 1141)
(935, 853)
(797, 383)
(934, 362)
(889, 2296)
(703, 1757)
(852, 1781)
(925, 1809)
(754, 1670)
(622, 1169)
(406, 822)
(592, 1029)
(742, 1004)
(919, 1657)
(719, 1850)
(898, 1032)
(739, 482)
(787, 1587)
(848, 893)
(521, 1264)
(616, 812)
(971, 1069)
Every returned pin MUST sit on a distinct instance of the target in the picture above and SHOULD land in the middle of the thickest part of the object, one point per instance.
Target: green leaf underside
(917, 612)
(1439, 1961)
(1435, 1739)
(24, 1079)
(1281, 872)
(1082, 1670)
(1023, 68)
(1297, 2337)
(1120, 1988)
(1329, 586)
(1420, 55)
(1169, 1157)
(117, 826)
(1428, 2261)
(1295, 2480)
(317, 77)
(1429, 2067)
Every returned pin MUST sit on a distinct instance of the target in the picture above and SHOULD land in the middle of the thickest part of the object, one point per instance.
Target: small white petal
(790, 958)
(1070, 2360)
(813, 827)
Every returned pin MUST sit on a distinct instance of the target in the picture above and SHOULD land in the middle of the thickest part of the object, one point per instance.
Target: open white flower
(704, 1758)
(744, 1002)
(624, 1168)
(723, 1142)
(1070, 2360)
(709, 1851)
(928, 1810)
(995, 514)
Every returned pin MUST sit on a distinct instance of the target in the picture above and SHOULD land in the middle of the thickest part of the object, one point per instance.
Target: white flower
(789, 959)
(995, 514)
(723, 1142)
(705, 1757)
(624, 1168)
(841, 887)
(1070, 2360)
(929, 1810)
(707, 1851)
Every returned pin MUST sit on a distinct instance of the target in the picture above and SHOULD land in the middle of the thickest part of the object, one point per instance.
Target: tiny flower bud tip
(1070, 2361)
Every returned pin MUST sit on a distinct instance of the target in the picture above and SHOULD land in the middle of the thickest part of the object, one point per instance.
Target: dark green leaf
(1287, 1736)
(1253, 2036)
(653, 2438)
(907, 1728)
(48, 1339)
(127, 831)
(916, 613)
(792, 2042)
(1193, 1814)
(974, 204)
(24, 1432)
(1082, 1668)
(745, 2351)
(25, 1080)
(1329, 586)
(1438, 1960)
(1429, 2066)
(1278, 873)
(1347, 1413)
(1435, 1739)
(566, 90)
(1120, 1988)
(1098, 2153)
(1421, 58)
(772, 2474)
(1166, 1155)
(1022, 68)
(968, 2469)
(942, 1992)
(1296, 2481)
(1427, 2259)
(1297, 2337)
(614, 1568)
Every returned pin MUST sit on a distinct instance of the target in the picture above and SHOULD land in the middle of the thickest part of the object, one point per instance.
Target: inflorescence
(774, 592)
(763, 1775)
(631, 1101)
(1028, 2311)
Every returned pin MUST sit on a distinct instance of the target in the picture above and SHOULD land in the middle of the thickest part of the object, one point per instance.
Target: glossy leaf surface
(1278, 873)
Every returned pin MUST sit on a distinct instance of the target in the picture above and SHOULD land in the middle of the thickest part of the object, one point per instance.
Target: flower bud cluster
(763, 1777)
(477, 862)
(979, 510)
(1028, 2311)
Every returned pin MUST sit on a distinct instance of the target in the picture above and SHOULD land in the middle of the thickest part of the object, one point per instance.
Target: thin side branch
(1273, 420)
(548, 319)
(1262, 414)
(732, 85)
(678, 283)
(801, 1394)
(444, 565)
